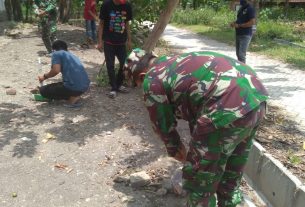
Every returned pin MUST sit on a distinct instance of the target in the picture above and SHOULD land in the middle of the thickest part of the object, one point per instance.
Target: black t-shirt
(115, 18)
(245, 14)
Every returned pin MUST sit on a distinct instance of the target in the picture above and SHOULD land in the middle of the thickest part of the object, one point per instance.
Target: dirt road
(54, 156)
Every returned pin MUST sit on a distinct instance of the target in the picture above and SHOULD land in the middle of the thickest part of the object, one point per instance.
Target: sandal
(123, 89)
(112, 94)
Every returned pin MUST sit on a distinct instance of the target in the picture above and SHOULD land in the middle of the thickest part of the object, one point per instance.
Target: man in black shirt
(243, 28)
(114, 33)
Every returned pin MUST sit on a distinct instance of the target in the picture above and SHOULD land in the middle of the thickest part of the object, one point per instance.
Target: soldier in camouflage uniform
(223, 101)
(46, 10)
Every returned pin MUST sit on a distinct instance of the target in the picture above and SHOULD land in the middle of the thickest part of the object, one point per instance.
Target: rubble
(139, 179)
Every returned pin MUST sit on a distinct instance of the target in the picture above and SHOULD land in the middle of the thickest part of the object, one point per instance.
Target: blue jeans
(242, 44)
(91, 29)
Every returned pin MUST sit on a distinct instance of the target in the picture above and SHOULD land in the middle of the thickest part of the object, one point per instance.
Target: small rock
(11, 92)
(176, 181)
(167, 184)
(108, 133)
(139, 179)
(26, 139)
(126, 199)
(121, 179)
(161, 192)
(5, 86)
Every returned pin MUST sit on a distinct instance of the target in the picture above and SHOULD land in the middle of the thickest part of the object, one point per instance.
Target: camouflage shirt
(46, 5)
(203, 88)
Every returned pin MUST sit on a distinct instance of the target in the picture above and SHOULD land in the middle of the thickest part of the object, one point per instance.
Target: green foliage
(270, 29)
(147, 10)
(294, 159)
(205, 16)
(272, 23)
(279, 13)
(102, 78)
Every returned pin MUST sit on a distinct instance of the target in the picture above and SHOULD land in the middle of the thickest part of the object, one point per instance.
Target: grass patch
(215, 25)
(292, 55)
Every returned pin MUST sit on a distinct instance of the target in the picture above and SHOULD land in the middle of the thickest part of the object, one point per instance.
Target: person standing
(114, 33)
(243, 29)
(90, 16)
(46, 11)
(223, 101)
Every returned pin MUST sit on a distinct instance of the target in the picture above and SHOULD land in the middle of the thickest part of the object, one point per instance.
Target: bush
(206, 16)
(271, 29)
(279, 13)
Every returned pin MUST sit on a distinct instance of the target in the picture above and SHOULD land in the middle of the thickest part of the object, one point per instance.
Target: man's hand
(41, 79)
(233, 25)
(41, 13)
(181, 154)
(99, 46)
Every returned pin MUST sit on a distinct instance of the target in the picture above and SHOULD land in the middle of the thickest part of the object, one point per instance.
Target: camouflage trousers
(216, 161)
(48, 33)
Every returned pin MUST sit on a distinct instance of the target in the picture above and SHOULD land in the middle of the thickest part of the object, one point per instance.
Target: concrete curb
(272, 181)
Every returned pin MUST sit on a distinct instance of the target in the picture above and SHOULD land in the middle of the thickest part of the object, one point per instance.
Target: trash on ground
(49, 137)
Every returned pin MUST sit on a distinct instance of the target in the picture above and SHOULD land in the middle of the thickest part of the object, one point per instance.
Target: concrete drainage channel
(272, 181)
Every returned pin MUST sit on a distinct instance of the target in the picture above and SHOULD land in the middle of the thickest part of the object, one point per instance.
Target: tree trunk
(17, 12)
(8, 9)
(184, 4)
(154, 36)
(28, 5)
(195, 4)
(286, 7)
(65, 7)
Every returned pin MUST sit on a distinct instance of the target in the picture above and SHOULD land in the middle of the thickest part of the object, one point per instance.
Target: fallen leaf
(304, 145)
(61, 166)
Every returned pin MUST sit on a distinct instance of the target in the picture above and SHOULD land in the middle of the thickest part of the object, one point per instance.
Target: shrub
(271, 29)
(206, 16)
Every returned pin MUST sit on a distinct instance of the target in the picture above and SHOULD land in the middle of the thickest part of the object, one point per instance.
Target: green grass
(271, 25)
(292, 55)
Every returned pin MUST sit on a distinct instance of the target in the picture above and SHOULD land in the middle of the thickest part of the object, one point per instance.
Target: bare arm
(250, 23)
(129, 44)
(53, 72)
(100, 34)
(93, 15)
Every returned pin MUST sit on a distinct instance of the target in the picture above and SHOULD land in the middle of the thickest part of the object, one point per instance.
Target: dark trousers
(112, 51)
(57, 91)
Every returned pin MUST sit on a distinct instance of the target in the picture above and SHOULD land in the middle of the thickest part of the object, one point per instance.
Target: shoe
(74, 105)
(112, 94)
(123, 89)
